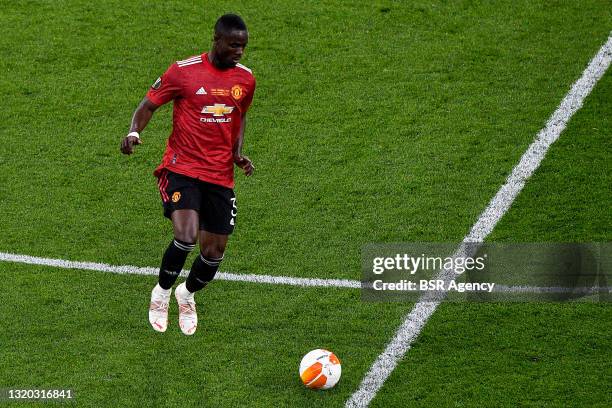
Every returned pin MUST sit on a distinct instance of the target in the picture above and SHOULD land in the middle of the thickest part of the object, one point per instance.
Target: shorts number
(234, 210)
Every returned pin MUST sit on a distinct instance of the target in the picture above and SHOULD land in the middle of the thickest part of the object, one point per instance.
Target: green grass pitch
(373, 122)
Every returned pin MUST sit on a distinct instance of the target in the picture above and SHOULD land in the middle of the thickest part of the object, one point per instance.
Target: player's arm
(140, 119)
(242, 161)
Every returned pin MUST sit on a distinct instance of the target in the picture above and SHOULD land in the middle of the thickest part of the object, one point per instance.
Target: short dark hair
(229, 22)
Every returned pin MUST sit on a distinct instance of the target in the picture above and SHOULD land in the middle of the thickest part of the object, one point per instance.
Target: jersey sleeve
(167, 87)
(248, 99)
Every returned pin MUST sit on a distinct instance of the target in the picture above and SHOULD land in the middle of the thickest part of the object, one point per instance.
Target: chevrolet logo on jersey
(218, 109)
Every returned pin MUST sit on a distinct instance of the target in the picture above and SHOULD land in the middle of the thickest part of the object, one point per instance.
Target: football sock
(173, 261)
(203, 271)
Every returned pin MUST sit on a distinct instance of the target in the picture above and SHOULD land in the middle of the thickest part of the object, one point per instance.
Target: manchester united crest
(237, 92)
(176, 197)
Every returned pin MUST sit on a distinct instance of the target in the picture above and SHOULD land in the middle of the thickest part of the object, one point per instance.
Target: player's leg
(181, 198)
(185, 225)
(203, 270)
(217, 219)
(205, 266)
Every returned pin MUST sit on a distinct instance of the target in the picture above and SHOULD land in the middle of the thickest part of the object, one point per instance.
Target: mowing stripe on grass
(415, 320)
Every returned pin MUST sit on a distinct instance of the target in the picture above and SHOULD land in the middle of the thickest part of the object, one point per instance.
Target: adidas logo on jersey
(201, 91)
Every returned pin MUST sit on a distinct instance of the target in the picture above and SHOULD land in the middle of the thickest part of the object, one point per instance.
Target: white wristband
(135, 134)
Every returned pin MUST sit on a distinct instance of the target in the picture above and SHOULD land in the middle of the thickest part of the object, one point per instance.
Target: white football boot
(158, 308)
(188, 318)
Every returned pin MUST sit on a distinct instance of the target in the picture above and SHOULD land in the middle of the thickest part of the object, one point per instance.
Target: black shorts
(215, 204)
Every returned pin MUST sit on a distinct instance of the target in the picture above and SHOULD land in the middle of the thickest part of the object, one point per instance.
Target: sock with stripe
(173, 261)
(203, 271)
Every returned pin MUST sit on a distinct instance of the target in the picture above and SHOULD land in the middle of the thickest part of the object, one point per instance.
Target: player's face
(230, 47)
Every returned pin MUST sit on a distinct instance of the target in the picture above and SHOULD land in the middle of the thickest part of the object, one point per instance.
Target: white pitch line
(414, 322)
(137, 270)
(254, 278)
(265, 279)
(578, 290)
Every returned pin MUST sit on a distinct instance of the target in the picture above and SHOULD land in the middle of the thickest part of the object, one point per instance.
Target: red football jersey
(209, 105)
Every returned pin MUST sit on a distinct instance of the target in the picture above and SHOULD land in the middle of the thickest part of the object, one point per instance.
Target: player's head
(230, 39)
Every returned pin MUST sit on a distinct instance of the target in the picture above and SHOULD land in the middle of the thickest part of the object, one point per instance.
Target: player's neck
(214, 61)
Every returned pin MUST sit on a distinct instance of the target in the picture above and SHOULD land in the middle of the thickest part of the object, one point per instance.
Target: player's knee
(185, 225)
(215, 251)
(186, 234)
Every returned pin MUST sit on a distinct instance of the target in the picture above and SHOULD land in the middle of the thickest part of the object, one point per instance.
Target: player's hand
(127, 144)
(245, 164)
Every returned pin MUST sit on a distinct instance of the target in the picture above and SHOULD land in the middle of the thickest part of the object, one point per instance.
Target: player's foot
(188, 318)
(158, 308)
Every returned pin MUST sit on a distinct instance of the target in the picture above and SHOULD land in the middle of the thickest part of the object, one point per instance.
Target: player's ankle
(183, 291)
(164, 292)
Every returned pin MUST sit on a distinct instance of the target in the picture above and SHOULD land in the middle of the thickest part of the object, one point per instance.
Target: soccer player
(212, 93)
